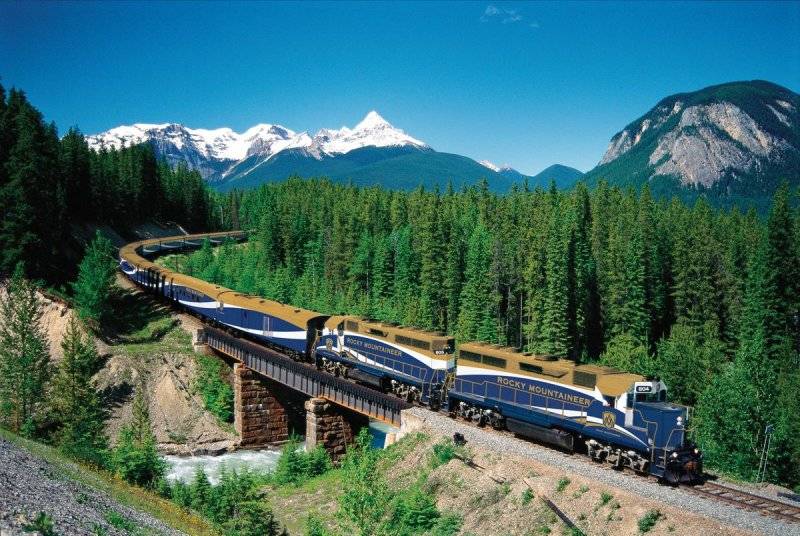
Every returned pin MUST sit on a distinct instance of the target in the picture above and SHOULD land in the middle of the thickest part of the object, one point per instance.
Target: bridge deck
(307, 379)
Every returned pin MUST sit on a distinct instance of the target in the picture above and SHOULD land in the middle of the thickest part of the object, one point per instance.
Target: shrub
(415, 512)
(605, 497)
(217, 395)
(447, 525)
(443, 452)
(315, 526)
(527, 496)
(119, 521)
(42, 524)
(295, 466)
(563, 482)
(649, 520)
(251, 518)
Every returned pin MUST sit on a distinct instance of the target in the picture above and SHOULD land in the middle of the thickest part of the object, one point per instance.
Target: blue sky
(530, 84)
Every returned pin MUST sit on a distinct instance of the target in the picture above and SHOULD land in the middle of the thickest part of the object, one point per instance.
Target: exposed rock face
(741, 129)
(180, 422)
(710, 140)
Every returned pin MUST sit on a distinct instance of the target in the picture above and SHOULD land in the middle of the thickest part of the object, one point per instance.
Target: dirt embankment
(152, 346)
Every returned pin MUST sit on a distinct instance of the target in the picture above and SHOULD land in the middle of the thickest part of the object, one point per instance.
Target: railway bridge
(274, 394)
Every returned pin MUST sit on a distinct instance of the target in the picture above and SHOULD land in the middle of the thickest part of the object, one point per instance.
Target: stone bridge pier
(265, 412)
(331, 426)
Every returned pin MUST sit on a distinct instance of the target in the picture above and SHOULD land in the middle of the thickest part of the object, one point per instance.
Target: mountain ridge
(372, 152)
(733, 142)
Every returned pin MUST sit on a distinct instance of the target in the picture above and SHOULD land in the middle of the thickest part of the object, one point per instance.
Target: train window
(610, 400)
(400, 339)
(441, 347)
(494, 361)
(469, 356)
(585, 379)
(424, 345)
(352, 326)
(527, 367)
(377, 332)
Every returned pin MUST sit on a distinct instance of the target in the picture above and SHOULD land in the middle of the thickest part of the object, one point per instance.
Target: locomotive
(619, 418)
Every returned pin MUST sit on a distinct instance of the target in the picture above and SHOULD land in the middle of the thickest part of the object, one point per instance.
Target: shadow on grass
(137, 318)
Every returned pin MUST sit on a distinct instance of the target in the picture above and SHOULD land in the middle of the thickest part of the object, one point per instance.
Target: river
(184, 467)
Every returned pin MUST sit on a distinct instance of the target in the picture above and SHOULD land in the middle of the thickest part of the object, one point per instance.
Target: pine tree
(476, 319)
(95, 278)
(587, 338)
(556, 332)
(24, 357)
(76, 402)
(626, 310)
(136, 457)
(430, 314)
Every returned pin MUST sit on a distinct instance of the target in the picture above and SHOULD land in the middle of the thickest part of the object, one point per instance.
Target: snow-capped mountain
(217, 153)
(372, 152)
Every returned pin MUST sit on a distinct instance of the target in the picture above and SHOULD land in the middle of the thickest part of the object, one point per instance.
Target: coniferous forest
(48, 184)
(708, 300)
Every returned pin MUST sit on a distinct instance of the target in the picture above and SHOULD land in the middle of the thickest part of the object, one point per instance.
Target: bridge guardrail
(307, 379)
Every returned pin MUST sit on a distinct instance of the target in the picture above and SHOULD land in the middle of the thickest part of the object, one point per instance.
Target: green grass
(563, 482)
(649, 520)
(115, 488)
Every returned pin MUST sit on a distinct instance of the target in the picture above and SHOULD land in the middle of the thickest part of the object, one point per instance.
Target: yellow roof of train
(294, 315)
(609, 381)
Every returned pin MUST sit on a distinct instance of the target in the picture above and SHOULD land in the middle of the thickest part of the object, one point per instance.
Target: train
(616, 417)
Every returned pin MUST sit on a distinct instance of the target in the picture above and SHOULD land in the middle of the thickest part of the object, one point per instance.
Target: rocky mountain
(372, 152)
(733, 141)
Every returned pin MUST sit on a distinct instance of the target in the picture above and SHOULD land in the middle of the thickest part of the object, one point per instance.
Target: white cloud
(504, 16)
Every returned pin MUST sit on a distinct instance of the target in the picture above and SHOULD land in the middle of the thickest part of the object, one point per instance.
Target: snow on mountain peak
(264, 140)
(371, 121)
(372, 131)
(490, 165)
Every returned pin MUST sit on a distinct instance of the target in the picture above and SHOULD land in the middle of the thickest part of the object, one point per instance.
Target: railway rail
(747, 501)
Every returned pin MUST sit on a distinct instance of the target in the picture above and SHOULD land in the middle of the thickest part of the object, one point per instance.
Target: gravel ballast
(508, 445)
(30, 485)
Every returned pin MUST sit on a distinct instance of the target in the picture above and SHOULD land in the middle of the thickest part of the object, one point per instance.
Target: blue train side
(623, 419)
(281, 326)
(412, 364)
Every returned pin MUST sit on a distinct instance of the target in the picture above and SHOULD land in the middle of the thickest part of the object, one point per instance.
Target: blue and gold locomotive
(620, 418)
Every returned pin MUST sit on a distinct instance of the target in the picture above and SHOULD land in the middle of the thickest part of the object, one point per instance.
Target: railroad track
(711, 490)
(747, 501)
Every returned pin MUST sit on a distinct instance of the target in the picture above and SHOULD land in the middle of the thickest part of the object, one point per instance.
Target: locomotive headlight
(674, 454)
(696, 451)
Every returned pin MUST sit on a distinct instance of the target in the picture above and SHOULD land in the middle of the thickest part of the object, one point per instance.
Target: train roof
(423, 341)
(133, 254)
(609, 381)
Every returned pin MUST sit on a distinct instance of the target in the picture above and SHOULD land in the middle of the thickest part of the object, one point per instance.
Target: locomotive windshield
(443, 346)
(649, 392)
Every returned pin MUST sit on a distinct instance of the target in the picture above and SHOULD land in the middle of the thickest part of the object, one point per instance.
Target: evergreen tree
(76, 402)
(95, 278)
(556, 339)
(201, 492)
(365, 494)
(136, 457)
(24, 357)
(476, 319)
